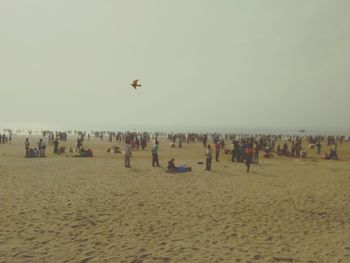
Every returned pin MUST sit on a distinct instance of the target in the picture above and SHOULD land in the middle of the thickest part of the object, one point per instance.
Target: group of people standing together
(128, 154)
(38, 151)
(240, 153)
(5, 139)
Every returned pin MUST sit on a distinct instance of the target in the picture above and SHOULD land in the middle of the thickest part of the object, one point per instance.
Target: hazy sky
(242, 64)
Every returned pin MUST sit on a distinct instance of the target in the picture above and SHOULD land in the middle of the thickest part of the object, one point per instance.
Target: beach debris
(135, 84)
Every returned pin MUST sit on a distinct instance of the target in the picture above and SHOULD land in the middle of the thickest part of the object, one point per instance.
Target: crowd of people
(242, 148)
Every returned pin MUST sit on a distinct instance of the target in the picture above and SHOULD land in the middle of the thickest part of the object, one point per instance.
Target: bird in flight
(135, 84)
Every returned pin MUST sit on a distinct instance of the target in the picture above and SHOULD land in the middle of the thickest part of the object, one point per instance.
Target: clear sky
(228, 63)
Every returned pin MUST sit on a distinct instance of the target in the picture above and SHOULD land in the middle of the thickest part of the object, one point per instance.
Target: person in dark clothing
(217, 151)
(248, 156)
(285, 149)
(205, 139)
(235, 151)
(79, 144)
(55, 146)
(171, 166)
(256, 153)
(209, 155)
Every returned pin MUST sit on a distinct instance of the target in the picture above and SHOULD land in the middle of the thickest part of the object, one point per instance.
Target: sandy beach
(65, 209)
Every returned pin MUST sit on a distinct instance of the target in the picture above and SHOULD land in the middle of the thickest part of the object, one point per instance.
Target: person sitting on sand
(171, 166)
(32, 153)
(85, 153)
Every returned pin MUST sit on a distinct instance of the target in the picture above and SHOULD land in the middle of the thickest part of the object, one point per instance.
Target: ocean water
(37, 127)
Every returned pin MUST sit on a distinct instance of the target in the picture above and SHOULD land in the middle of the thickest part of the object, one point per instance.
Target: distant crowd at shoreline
(244, 148)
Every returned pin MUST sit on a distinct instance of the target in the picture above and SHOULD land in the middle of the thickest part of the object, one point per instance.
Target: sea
(24, 128)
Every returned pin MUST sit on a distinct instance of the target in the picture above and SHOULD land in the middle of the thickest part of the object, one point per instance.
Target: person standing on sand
(209, 155)
(155, 159)
(55, 146)
(42, 147)
(235, 151)
(256, 153)
(334, 155)
(248, 156)
(128, 154)
(79, 144)
(318, 146)
(26, 146)
(217, 150)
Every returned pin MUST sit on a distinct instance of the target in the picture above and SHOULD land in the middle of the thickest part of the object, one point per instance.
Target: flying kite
(135, 84)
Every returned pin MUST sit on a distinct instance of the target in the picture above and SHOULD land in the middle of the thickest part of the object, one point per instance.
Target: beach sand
(65, 209)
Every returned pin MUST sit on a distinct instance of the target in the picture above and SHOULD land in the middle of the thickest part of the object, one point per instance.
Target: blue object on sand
(181, 169)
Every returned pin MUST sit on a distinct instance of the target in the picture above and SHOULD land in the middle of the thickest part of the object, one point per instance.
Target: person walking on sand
(248, 156)
(209, 155)
(128, 154)
(155, 158)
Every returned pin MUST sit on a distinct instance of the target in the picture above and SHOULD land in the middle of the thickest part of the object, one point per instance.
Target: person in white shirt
(128, 154)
